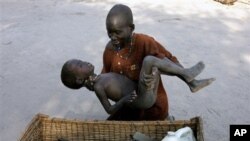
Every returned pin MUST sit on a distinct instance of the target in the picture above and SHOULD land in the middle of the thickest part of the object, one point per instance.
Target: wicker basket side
(199, 128)
(43, 128)
(33, 131)
(74, 130)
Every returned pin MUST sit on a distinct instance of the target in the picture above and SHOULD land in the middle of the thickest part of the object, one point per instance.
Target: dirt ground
(37, 37)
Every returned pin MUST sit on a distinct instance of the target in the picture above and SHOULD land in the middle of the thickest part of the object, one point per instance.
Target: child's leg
(168, 67)
(147, 89)
(150, 76)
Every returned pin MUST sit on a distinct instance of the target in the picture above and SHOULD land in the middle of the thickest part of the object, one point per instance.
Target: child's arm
(110, 109)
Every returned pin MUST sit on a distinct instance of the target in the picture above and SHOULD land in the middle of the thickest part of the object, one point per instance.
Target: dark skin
(107, 86)
(120, 27)
(112, 86)
(118, 87)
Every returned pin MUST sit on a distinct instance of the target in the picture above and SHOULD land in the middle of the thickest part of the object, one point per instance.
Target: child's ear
(132, 26)
(79, 81)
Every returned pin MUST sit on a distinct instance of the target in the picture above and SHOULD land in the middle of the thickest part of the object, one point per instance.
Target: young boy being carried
(76, 74)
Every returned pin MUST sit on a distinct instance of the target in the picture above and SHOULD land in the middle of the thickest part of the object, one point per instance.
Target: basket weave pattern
(43, 128)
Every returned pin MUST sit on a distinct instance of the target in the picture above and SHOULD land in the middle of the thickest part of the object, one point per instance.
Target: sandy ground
(38, 36)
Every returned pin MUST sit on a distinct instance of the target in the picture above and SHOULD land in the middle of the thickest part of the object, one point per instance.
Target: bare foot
(196, 85)
(192, 72)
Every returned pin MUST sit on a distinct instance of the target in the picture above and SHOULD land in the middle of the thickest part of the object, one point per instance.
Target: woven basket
(44, 128)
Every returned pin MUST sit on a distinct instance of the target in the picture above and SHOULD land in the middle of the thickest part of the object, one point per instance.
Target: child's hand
(149, 79)
(132, 97)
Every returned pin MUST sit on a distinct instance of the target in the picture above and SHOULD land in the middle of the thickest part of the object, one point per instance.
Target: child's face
(118, 31)
(83, 70)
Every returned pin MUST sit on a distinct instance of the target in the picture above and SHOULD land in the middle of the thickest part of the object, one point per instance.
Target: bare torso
(115, 85)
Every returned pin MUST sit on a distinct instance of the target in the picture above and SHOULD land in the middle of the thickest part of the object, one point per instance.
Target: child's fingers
(147, 76)
(133, 96)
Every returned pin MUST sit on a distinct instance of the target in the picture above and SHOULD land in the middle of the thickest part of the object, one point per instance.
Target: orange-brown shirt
(128, 62)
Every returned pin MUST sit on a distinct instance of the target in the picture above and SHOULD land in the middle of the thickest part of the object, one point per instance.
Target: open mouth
(115, 42)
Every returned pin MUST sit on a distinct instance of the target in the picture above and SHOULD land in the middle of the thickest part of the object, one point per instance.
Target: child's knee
(149, 60)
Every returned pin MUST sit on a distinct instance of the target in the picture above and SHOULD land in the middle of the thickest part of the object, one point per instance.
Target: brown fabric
(143, 45)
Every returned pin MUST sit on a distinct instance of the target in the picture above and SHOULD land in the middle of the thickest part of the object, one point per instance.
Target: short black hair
(122, 11)
(68, 78)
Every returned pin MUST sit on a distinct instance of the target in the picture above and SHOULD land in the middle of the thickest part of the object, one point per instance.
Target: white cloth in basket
(183, 134)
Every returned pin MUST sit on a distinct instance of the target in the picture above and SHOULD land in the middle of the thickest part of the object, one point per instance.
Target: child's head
(75, 72)
(119, 24)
